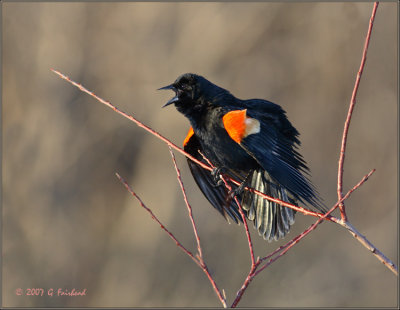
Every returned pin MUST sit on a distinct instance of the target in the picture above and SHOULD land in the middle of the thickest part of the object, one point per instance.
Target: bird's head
(192, 92)
(185, 88)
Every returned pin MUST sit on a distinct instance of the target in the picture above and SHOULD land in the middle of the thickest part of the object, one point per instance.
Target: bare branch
(246, 227)
(174, 146)
(366, 243)
(313, 226)
(255, 270)
(350, 113)
(178, 175)
(259, 264)
(130, 117)
(157, 220)
(198, 259)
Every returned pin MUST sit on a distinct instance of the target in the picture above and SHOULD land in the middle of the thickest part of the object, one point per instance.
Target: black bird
(251, 141)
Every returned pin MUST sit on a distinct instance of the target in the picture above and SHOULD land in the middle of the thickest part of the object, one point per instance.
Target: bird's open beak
(172, 100)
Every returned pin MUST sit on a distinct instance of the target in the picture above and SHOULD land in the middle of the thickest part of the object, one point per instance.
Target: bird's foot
(216, 173)
(239, 190)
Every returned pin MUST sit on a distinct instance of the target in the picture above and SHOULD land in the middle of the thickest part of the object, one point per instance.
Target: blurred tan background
(69, 223)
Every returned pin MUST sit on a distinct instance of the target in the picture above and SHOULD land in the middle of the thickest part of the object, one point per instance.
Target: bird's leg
(238, 190)
(216, 173)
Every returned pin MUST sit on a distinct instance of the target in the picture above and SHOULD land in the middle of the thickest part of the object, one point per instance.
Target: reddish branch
(190, 254)
(189, 207)
(350, 113)
(246, 227)
(366, 243)
(198, 259)
(313, 226)
(174, 146)
(256, 265)
(260, 264)
(256, 268)
(130, 117)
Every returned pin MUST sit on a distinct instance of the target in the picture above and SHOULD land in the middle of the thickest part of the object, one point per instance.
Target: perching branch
(257, 267)
(260, 264)
(174, 146)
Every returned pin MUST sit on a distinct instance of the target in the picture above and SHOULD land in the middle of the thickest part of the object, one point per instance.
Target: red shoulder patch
(239, 126)
(188, 136)
(235, 124)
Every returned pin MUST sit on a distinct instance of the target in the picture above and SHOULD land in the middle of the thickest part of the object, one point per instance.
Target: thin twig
(350, 113)
(130, 117)
(198, 260)
(245, 284)
(367, 244)
(256, 265)
(189, 207)
(319, 221)
(174, 146)
(246, 227)
(221, 295)
(179, 244)
(255, 270)
(284, 203)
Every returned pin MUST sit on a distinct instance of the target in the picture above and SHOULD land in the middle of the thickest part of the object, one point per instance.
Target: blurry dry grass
(69, 223)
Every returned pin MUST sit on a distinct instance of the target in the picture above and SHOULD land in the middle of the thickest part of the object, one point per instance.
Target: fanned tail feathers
(271, 220)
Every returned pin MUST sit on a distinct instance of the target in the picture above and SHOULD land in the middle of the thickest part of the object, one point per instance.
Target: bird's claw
(216, 173)
(234, 192)
(239, 190)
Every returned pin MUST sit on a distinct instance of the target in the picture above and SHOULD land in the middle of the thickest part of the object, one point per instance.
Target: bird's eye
(185, 87)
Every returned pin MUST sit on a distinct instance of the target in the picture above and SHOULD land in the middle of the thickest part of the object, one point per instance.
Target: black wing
(216, 195)
(274, 148)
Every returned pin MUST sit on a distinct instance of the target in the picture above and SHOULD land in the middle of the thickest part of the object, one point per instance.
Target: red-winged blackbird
(253, 142)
